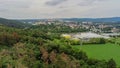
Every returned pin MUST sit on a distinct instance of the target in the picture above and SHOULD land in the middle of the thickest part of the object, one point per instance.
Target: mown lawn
(102, 51)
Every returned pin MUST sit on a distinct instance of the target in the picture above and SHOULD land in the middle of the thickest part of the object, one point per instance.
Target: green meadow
(102, 51)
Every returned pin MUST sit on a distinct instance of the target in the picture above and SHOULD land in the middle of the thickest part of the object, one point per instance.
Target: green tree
(111, 63)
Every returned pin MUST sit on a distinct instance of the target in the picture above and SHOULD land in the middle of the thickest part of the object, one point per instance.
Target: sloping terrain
(13, 23)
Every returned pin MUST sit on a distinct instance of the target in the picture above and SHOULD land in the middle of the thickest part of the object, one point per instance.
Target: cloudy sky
(59, 8)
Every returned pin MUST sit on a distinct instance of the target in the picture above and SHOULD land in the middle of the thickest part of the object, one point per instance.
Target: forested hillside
(36, 48)
(13, 23)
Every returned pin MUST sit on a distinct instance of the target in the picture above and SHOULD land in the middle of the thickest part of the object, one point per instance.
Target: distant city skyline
(28, 9)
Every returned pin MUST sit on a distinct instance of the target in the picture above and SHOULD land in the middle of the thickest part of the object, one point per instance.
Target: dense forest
(26, 46)
(43, 47)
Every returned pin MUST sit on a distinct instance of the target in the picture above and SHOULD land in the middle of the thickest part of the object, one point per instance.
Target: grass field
(102, 51)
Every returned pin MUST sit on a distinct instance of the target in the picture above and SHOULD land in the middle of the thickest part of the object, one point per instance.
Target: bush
(97, 41)
(111, 63)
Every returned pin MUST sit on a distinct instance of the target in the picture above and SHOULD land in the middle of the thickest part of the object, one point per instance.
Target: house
(115, 30)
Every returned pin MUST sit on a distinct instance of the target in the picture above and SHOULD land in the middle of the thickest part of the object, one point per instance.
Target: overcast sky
(59, 8)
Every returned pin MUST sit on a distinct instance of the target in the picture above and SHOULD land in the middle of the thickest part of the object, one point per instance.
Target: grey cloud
(54, 2)
(88, 2)
(15, 4)
(3, 10)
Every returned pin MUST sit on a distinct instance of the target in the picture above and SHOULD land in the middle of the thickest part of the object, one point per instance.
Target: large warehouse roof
(89, 35)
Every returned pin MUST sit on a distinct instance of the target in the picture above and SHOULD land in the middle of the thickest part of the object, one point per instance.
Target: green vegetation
(101, 51)
(42, 47)
(58, 28)
(13, 23)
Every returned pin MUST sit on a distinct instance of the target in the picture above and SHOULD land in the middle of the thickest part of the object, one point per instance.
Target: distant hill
(12, 23)
(112, 19)
(30, 21)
